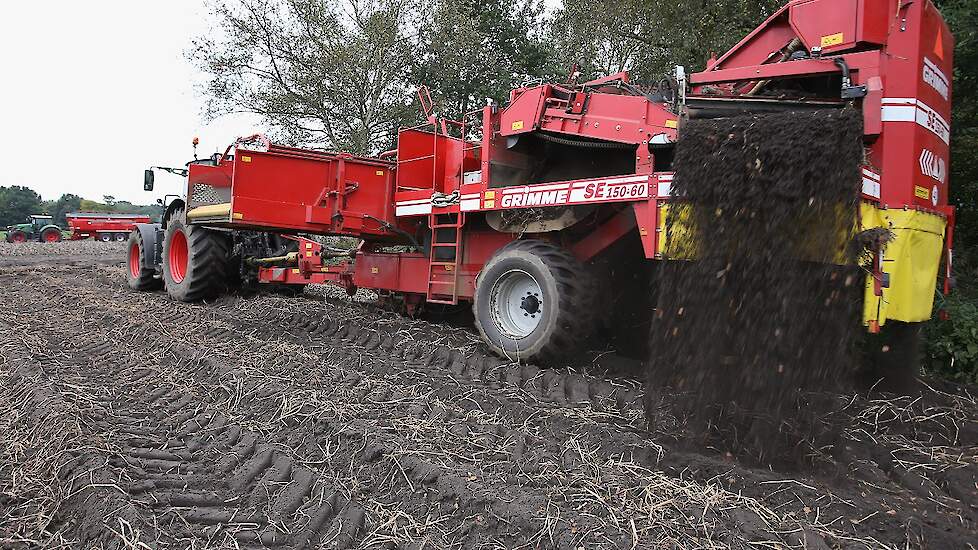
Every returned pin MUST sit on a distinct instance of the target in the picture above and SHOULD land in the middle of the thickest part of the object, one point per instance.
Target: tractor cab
(40, 221)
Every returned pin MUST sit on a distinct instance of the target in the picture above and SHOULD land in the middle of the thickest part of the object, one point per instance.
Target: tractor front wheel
(534, 302)
(195, 261)
(51, 235)
(138, 275)
(17, 237)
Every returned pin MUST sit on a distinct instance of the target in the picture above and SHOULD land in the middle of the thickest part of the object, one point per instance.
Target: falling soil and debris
(764, 315)
(128, 420)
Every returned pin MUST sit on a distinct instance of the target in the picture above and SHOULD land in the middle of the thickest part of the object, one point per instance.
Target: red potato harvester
(514, 208)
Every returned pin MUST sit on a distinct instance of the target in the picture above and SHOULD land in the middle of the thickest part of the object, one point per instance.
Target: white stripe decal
(902, 109)
(871, 175)
(468, 205)
(470, 196)
(871, 188)
(664, 188)
(413, 210)
(415, 201)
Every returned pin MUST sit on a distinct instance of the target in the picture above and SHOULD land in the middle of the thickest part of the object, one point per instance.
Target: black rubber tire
(144, 279)
(119, 237)
(43, 236)
(893, 358)
(566, 285)
(105, 237)
(207, 261)
(12, 234)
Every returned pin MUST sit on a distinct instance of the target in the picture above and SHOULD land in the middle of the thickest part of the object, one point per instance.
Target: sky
(93, 93)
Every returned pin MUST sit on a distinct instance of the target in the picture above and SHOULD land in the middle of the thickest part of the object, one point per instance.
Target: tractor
(38, 227)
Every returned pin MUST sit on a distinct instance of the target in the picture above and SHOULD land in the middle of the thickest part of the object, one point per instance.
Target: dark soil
(765, 205)
(131, 421)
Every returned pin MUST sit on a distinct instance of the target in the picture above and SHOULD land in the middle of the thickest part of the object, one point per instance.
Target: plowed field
(128, 420)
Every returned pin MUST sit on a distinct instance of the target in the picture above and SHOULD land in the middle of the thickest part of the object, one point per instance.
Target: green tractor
(38, 228)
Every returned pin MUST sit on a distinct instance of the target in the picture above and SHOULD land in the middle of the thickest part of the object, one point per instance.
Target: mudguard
(152, 234)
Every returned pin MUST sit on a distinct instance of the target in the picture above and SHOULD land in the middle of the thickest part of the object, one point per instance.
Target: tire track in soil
(414, 441)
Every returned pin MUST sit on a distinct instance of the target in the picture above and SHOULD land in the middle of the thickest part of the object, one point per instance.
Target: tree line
(18, 202)
(343, 75)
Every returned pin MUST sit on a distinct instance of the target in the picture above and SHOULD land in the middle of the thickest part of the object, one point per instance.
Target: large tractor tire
(51, 235)
(17, 237)
(534, 302)
(138, 275)
(195, 261)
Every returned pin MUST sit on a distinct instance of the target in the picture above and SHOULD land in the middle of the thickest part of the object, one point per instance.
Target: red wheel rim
(178, 256)
(18, 237)
(134, 260)
(51, 237)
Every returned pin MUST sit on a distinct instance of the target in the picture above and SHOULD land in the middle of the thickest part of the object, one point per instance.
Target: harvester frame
(507, 207)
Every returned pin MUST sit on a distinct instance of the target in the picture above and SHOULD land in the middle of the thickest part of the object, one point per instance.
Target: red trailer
(513, 208)
(103, 227)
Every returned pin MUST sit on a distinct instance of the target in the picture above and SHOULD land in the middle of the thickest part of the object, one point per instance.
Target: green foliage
(321, 73)
(474, 50)
(962, 16)
(649, 38)
(952, 345)
(17, 203)
(65, 204)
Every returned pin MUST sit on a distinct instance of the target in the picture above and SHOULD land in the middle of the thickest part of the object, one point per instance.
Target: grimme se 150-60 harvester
(543, 213)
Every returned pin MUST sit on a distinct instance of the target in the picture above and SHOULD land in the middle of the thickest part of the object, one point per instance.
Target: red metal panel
(827, 24)
(404, 272)
(605, 235)
(315, 193)
(215, 176)
(89, 225)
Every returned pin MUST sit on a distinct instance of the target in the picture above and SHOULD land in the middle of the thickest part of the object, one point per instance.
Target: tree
(17, 203)
(962, 17)
(649, 38)
(478, 49)
(319, 74)
(67, 203)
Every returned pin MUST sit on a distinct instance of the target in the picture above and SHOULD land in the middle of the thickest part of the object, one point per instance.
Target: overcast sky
(92, 93)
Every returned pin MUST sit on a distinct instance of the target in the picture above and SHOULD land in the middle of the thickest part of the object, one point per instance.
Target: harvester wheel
(195, 261)
(105, 237)
(51, 235)
(17, 237)
(138, 275)
(534, 301)
(120, 237)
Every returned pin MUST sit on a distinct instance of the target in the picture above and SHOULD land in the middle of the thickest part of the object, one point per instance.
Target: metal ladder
(442, 291)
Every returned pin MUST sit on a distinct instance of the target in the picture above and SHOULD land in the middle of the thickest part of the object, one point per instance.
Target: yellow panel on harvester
(912, 260)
